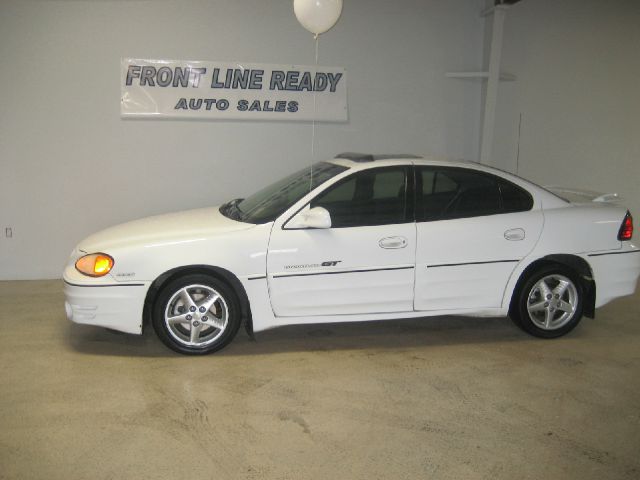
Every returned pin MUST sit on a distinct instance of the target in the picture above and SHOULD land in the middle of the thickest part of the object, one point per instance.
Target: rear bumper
(115, 306)
(615, 274)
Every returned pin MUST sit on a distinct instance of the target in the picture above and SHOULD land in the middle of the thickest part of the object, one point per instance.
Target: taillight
(626, 229)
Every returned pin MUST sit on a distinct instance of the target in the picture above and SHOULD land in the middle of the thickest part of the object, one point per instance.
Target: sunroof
(368, 157)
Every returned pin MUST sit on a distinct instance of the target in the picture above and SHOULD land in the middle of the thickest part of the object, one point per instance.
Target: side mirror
(317, 217)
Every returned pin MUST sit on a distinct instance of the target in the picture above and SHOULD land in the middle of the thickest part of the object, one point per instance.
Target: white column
(488, 124)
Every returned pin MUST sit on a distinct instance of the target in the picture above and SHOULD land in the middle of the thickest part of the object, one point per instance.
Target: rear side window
(446, 193)
(514, 198)
(371, 197)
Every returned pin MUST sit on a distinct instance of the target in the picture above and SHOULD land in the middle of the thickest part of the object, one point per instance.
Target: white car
(357, 238)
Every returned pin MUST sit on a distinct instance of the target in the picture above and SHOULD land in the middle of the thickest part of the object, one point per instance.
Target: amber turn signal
(95, 264)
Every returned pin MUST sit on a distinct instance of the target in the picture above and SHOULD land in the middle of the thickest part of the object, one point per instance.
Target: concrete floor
(443, 398)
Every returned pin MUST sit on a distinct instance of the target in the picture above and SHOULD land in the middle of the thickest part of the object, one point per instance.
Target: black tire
(215, 327)
(530, 296)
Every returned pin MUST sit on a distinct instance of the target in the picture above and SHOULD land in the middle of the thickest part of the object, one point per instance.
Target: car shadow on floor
(391, 335)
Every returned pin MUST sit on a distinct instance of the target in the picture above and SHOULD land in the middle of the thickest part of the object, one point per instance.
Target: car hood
(191, 225)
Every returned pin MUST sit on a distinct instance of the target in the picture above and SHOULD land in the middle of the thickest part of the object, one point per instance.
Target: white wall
(578, 89)
(70, 166)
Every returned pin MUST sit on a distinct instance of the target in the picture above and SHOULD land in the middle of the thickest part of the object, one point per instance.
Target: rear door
(472, 230)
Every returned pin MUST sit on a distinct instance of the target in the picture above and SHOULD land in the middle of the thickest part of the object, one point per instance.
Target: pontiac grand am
(359, 237)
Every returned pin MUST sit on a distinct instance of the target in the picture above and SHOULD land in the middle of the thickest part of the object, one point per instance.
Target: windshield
(270, 202)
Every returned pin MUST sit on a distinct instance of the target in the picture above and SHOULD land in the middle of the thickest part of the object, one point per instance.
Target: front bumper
(112, 305)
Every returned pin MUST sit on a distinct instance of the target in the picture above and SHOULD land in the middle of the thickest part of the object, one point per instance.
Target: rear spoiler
(574, 195)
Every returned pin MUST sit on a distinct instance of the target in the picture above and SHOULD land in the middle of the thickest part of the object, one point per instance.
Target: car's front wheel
(196, 314)
(549, 303)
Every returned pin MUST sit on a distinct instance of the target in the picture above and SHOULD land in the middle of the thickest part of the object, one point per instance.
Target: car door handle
(514, 234)
(393, 242)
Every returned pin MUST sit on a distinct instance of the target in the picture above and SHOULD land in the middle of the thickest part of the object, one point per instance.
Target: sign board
(232, 91)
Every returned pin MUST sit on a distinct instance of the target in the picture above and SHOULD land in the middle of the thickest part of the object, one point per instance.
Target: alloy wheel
(196, 315)
(552, 302)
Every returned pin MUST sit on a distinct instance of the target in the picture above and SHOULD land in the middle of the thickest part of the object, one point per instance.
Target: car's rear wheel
(196, 314)
(549, 304)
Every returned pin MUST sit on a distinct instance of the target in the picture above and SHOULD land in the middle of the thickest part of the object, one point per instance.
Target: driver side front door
(363, 264)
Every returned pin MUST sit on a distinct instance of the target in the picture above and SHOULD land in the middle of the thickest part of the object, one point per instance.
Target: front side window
(371, 197)
(270, 202)
(449, 192)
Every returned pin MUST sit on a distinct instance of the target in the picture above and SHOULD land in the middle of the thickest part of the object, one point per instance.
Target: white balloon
(317, 16)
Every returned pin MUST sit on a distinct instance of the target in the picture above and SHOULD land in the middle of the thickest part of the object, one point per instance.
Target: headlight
(95, 264)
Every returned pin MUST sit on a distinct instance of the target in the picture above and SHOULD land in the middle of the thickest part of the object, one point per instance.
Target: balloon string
(313, 122)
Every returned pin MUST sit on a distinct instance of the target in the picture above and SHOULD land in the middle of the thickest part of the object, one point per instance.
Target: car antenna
(518, 151)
